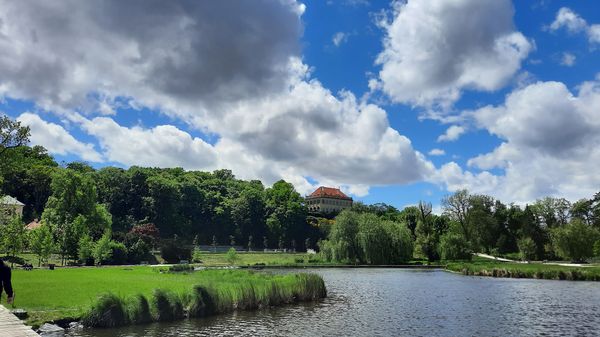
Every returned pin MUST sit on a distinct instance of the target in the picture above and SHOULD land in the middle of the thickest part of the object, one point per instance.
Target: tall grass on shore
(522, 270)
(250, 291)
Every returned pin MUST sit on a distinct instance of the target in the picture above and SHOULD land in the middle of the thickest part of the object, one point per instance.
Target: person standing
(5, 282)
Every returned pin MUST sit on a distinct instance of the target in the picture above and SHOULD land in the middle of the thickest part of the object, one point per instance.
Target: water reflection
(391, 302)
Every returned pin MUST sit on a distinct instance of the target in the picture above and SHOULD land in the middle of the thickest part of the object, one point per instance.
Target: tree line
(116, 215)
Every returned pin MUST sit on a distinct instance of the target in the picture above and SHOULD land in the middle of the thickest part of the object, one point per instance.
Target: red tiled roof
(33, 225)
(329, 192)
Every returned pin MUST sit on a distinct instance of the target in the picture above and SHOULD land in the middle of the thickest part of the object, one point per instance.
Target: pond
(398, 302)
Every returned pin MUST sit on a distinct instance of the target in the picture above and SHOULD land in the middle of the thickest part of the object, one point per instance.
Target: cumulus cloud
(56, 139)
(452, 133)
(551, 145)
(229, 69)
(433, 50)
(436, 152)
(573, 23)
(163, 145)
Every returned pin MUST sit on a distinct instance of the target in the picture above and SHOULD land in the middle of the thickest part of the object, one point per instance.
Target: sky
(393, 102)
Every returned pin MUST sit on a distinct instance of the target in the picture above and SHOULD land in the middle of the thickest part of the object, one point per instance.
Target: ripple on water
(392, 302)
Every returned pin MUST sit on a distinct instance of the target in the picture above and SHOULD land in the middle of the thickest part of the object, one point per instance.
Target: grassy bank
(69, 293)
(484, 267)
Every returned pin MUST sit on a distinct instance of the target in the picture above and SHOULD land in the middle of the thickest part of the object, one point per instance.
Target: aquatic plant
(108, 312)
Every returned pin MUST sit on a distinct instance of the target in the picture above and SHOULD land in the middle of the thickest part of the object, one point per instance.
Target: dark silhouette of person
(5, 282)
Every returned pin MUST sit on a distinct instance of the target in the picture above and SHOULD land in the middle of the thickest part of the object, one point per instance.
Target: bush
(232, 256)
(178, 268)
(172, 252)
(107, 312)
(118, 253)
(453, 246)
(138, 252)
(527, 249)
(197, 256)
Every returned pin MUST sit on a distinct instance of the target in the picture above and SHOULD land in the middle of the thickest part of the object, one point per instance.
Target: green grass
(485, 267)
(253, 258)
(70, 292)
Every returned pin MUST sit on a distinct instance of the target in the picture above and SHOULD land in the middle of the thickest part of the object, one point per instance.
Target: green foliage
(118, 253)
(527, 249)
(86, 250)
(196, 255)
(453, 246)
(168, 305)
(367, 238)
(232, 256)
(138, 310)
(138, 252)
(173, 251)
(13, 236)
(108, 311)
(41, 243)
(574, 241)
(597, 248)
(12, 134)
(102, 250)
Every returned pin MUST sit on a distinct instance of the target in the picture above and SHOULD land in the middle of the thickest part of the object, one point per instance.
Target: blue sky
(349, 93)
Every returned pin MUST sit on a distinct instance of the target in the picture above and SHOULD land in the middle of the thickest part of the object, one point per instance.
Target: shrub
(107, 312)
(232, 256)
(197, 255)
(118, 253)
(139, 251)
(172, 252)
(178, 268)
(454, 247)
(527, 249)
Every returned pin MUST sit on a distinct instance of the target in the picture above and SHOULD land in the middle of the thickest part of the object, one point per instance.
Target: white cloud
(437, 152)
(339, 38)
(568, 59)
(551, 145)
(433, 50)
(452, 133)
(229, 69)
(163, 145)
(568, 19)
(56, 139)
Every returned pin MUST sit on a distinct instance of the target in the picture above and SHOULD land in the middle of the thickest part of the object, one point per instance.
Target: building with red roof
(327, 200)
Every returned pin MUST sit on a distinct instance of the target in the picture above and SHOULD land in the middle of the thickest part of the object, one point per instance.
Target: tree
(343, 237)
(12, 135)
(232, 256)
(457, 207)
(86, 250)
(575, 241)
(41, 243)
(527, 248)
(102, 250)
(426, 243)
(13, 236)
(453, 246)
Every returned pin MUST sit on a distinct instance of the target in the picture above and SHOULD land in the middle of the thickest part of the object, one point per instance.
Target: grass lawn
(252, 258)
(485, 267)
(69, 292)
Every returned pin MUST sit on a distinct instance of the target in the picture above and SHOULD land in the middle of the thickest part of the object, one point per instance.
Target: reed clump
(236, 291)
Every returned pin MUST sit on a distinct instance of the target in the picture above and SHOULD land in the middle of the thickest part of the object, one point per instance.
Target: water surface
(397, 302)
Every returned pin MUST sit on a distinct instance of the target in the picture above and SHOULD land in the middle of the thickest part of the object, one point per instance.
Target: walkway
(11, 326)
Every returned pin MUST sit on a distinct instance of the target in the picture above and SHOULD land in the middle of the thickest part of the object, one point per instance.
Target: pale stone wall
(327, 205)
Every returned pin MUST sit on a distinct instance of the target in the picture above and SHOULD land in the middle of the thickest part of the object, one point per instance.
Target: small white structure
(10, 206)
